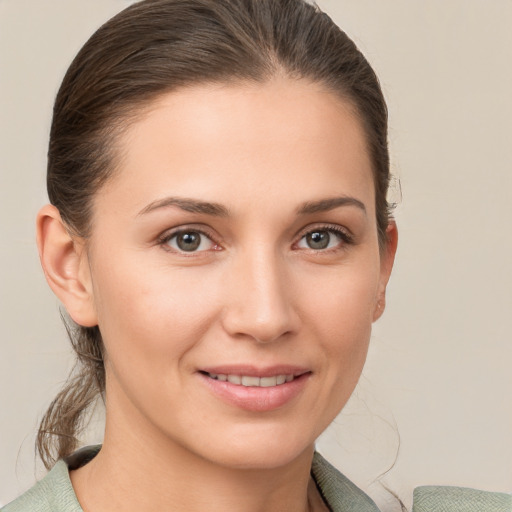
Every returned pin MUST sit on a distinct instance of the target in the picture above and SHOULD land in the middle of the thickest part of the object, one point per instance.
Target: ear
(387, 259)
(65, 265)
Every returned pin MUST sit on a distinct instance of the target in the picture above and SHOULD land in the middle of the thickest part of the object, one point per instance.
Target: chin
(264, 448)
(262, 459)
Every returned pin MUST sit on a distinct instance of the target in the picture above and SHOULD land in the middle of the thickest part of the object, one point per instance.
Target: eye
(322, 239)
(189, 241)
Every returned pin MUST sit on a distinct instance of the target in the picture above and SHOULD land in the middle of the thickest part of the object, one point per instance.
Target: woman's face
(235, 271)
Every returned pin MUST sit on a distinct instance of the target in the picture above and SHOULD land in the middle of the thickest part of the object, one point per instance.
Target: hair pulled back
(157, 46)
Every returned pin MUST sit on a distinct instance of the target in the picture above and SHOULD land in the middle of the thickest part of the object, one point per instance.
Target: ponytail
(66, 416)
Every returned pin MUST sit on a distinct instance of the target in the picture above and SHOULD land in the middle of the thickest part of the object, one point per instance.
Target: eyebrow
(324, 205)
(188, 205)
(218, 210)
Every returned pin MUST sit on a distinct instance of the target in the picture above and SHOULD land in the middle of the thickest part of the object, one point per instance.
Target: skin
(254, 293)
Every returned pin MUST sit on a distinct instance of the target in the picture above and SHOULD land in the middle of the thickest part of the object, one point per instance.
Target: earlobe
(65, 266)
(386, 266)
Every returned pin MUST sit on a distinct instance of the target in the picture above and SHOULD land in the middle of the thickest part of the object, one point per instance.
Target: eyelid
(326, 226)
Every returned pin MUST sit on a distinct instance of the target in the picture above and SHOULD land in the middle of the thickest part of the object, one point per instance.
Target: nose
(260, 304)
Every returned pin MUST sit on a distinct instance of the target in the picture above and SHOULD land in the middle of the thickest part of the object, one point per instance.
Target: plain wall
(438, 379)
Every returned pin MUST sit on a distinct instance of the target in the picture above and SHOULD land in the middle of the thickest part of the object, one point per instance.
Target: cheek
(342, 300)
(151, 315)
(340, 310)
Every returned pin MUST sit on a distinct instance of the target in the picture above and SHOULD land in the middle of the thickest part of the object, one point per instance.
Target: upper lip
(256, 371)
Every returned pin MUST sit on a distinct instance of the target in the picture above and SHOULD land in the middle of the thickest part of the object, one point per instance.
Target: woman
(219, 234)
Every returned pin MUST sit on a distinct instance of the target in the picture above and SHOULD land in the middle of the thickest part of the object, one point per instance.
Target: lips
(254, 389)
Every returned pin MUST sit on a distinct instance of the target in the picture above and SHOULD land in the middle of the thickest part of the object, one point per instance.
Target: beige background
(439, 372)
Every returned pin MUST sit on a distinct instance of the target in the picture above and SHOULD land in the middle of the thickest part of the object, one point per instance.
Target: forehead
(241, 142)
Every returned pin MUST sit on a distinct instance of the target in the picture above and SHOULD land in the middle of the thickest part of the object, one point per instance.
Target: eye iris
(189, 241)
(318, 239)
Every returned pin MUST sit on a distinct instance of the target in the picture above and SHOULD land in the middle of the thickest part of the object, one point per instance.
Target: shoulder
(54, 493)
(338, 491)
(459, 499)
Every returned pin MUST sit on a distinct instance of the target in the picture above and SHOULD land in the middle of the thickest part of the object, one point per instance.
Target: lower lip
(254, 398)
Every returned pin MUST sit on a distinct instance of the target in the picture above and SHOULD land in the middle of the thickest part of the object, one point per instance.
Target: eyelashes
(191, 240)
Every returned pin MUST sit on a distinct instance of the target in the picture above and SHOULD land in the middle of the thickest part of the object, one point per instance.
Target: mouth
(256, 390)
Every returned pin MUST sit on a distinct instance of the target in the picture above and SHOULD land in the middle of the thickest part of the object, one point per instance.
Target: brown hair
(156, 46)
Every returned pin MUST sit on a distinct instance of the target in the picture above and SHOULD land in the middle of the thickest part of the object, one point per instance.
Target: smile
(256, 390)
(251, 381)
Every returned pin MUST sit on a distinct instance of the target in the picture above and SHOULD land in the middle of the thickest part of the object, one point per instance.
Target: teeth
(266, 382)
(235, 379)
(251, 381)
